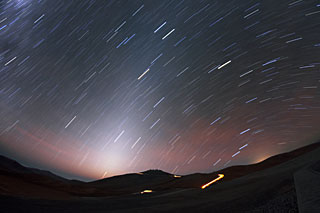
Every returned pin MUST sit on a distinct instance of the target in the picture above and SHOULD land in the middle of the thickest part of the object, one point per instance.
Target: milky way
(91, 89)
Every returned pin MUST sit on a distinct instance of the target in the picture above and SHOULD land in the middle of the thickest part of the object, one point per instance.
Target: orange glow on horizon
(260, 159)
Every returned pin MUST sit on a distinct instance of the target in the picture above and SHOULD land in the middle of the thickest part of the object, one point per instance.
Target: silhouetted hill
(155, 172)
(10, 166)
(197, 180)
(131, 183)
(17, 180)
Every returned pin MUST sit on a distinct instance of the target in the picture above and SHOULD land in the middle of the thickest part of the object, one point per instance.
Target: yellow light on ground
(177, 176)
(146, 191)
(211, 182)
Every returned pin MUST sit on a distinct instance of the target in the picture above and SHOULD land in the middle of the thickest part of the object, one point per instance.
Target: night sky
(92, 89)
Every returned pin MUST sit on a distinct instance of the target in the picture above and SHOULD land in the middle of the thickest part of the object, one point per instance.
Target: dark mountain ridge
(17, 180)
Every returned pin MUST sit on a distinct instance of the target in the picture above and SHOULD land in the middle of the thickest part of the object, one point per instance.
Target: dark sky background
(92, 89)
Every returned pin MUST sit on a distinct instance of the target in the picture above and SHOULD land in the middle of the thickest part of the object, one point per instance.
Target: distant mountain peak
(155, 172)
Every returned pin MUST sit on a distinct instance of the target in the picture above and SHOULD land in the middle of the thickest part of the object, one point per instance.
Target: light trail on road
(211, 182)
(146, 191)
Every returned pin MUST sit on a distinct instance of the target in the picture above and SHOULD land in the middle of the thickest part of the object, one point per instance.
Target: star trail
(91, 89)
